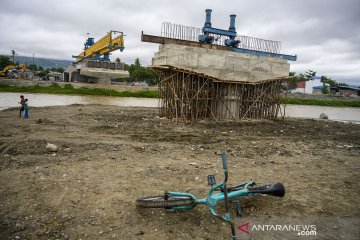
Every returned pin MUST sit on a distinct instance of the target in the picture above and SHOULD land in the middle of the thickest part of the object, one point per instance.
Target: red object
(300, 84)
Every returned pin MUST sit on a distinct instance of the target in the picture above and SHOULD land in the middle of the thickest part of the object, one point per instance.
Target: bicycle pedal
(239, 213)
(211, 180)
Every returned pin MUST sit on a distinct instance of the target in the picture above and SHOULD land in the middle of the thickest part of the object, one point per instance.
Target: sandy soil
(108, 156)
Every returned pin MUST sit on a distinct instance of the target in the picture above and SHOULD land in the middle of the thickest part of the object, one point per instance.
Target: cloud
(323, 33)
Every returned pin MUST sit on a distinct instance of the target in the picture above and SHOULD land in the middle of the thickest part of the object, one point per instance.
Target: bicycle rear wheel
(161, 202)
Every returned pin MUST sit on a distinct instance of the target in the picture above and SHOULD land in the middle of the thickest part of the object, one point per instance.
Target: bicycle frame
(211, 200)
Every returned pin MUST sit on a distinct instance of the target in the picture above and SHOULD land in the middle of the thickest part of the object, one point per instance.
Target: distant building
(317, 89)
(28, 74)
(314, 86)
(346, 91)
(56, 76)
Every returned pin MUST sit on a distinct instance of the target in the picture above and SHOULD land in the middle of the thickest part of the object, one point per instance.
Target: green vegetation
(4, 61)
(321, 102)
(69, 89)
(140, 73)
(36, 68)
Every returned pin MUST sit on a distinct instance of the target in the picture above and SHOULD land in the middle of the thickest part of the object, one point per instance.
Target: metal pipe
(208, 18)
(232, 23)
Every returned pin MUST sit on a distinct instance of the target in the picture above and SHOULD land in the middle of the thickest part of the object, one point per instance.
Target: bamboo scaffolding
(187, 96)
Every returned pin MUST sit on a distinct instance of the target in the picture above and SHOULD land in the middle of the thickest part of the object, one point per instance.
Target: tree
(139, 73)
(33, 67)
(43, 73)
(309, 75)
(57, 69)
(135, 70)
(137, 63)
(4, 61)
(331, 82)
(60, 69)
(327, 82)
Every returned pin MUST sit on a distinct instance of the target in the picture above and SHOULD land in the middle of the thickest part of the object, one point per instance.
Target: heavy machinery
(101, 49)
(252, 46)
(93, 65)
(207, 30)
(8, 71)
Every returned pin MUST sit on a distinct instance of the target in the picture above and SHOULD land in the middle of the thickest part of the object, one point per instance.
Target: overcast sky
(324, 34)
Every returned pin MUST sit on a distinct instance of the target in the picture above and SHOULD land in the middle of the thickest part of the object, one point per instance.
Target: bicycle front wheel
(161, 202)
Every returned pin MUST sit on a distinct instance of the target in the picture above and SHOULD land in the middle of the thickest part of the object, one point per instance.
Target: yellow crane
(103, 47)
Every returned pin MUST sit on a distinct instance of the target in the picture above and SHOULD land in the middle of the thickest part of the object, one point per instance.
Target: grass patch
(55, 88)
(323, 102)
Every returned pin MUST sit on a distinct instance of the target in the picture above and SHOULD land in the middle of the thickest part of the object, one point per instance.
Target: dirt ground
(109, 156)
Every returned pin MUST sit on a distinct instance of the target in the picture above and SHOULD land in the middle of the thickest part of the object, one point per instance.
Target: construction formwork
(188, 96)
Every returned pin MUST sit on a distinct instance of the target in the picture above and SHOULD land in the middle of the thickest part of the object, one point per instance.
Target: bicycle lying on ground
(178, 201)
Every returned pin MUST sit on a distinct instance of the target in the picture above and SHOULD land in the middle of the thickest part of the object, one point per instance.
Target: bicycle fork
(227, 215)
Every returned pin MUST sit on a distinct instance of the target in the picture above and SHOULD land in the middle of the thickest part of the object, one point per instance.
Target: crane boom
(102, 47)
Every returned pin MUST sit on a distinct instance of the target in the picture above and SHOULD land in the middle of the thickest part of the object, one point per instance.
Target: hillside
(44, 62)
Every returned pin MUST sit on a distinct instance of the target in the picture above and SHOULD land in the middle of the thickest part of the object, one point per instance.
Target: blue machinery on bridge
(207, 30)
(210, 34)
(227, 38)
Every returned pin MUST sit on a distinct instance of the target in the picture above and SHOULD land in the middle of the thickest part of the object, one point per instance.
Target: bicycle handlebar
(224, 160)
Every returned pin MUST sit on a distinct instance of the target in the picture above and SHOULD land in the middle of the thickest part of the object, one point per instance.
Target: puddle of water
(334, 113)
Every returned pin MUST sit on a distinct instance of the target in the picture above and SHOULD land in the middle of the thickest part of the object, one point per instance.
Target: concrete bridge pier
(99, 72)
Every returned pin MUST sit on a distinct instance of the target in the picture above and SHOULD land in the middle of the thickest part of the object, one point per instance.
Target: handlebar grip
(224, 160)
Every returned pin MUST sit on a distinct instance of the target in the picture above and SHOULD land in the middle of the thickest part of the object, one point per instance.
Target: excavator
(8, 68)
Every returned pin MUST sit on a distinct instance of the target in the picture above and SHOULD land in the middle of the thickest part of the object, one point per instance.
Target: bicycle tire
(275, 189)
(160, 202)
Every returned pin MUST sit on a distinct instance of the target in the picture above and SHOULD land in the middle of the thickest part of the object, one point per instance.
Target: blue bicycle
(178, 201)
